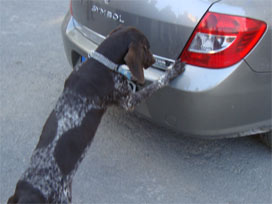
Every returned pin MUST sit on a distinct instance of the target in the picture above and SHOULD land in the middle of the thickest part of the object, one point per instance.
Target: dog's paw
(171, 73)
(179, 66)
(176, 70)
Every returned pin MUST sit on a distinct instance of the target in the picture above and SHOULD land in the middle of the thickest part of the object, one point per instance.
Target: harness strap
(103, 60)
(122, 69)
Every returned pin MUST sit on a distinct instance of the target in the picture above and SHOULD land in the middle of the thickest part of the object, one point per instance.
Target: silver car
(226, 44)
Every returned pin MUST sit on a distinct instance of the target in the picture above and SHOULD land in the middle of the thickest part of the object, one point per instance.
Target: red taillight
(71, 10)
(222, 40)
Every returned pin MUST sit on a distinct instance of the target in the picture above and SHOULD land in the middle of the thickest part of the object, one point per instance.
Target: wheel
(267, 138)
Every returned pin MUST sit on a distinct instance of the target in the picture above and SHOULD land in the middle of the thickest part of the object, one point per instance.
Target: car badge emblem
(107, 1)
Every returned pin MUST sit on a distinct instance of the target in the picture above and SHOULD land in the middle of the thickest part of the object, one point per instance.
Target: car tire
(267, 138)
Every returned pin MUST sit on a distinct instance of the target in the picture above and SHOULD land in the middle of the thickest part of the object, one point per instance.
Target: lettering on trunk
(107, 14)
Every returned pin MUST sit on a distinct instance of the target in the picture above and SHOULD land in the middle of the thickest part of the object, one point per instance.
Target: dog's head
(25, 193)
(138, 55)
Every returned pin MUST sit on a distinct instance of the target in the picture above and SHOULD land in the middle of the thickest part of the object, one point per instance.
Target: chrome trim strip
(162, 62)
(88, 33)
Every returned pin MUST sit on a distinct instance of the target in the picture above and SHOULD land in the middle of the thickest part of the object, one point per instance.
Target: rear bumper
(206, 103)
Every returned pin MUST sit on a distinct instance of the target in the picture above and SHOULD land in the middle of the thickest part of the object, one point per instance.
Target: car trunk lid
(167, 24)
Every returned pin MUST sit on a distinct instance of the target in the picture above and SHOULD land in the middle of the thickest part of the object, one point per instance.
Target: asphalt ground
(131, 160)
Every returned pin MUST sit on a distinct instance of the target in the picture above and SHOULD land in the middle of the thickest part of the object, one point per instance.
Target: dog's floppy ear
(134, 60)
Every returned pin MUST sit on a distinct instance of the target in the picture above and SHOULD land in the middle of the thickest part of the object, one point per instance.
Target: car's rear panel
(234, 101)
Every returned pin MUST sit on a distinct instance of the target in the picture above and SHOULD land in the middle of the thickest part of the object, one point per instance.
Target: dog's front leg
(133, 99)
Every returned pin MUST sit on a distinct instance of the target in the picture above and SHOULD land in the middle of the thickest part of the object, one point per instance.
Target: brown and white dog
(71, 126)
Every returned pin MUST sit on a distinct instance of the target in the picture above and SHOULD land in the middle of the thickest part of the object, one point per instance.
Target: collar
(122, 69)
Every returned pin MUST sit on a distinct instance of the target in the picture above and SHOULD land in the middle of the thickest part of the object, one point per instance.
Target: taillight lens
(222, 40)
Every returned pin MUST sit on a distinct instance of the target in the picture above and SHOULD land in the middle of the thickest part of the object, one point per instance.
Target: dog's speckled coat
(70, 128)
